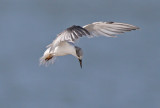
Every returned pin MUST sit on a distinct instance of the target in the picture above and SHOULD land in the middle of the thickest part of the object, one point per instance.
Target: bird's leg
(50, 56)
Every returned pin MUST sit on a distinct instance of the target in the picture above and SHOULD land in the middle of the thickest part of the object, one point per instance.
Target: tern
(64, 42)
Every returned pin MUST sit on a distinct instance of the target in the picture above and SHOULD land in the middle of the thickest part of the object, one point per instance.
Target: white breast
(64, 48)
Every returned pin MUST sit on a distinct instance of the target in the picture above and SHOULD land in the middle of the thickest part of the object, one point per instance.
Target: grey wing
(109, 29)
(71, 34)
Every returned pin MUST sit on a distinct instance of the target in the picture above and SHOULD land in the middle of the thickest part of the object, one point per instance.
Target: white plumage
(64, 43)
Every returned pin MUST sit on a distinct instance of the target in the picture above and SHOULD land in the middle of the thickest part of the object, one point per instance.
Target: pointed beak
(80, 61)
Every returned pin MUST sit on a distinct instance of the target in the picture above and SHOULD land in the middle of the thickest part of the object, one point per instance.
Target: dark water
(118, 72)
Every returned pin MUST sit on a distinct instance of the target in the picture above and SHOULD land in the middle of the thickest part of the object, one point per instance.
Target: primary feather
(108, 29)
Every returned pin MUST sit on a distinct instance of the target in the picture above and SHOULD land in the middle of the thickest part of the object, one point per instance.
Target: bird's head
(80, 61)
(79, 54)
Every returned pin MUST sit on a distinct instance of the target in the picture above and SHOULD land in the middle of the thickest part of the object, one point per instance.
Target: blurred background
(121, 72)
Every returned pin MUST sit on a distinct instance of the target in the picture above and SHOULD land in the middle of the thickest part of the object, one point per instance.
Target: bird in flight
(64, 42)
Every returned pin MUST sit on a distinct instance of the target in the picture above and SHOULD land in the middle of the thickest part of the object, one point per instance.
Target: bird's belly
(64, 50)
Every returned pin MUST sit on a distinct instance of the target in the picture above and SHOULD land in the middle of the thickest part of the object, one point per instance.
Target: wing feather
(108, 29)
(71, 34)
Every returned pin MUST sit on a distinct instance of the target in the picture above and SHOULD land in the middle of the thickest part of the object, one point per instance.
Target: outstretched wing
(109, 29)
(71, 34)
